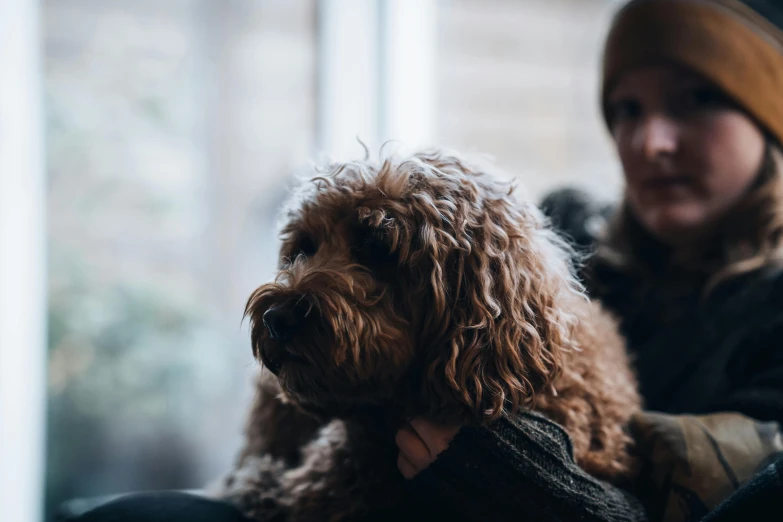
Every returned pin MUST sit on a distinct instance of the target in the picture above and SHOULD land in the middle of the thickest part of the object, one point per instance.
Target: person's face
(688, 152)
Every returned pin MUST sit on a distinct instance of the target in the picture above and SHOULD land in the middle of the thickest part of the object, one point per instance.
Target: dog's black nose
(281, 321)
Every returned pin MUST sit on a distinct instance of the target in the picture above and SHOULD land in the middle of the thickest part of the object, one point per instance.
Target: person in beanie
(691, 263)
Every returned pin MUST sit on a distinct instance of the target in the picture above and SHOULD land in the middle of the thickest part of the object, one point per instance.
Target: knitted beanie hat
(737, 45)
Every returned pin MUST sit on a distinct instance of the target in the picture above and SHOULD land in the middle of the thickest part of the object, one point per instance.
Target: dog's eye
(372, 250)
(305, 247)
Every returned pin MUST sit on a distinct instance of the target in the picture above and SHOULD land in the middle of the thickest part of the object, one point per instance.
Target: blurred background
(145, 148)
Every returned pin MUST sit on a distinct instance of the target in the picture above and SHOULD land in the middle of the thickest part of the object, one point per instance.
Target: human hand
(420, 442)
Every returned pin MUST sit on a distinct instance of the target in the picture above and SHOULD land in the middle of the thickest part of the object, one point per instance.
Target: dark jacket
(695, 356)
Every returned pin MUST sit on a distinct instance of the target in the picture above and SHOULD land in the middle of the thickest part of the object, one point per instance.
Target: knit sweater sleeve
(519, 468)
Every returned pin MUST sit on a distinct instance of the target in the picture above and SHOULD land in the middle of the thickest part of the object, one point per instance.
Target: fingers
(435, 436)
(420, 442)
(407, 469)
(414, 453)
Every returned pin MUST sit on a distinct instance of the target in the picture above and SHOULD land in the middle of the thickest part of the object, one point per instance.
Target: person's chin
(676, 226)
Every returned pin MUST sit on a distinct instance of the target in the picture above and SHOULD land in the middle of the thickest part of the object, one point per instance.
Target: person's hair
(748, 237)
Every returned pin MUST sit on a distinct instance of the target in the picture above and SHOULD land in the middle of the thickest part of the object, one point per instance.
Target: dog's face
(420, 278)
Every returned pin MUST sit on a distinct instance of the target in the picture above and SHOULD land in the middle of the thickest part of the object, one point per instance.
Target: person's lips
(662, 186)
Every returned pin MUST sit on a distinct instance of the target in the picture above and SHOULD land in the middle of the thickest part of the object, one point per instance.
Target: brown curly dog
(418, 287)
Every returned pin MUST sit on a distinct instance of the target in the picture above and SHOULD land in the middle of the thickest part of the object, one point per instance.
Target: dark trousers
(163, 506)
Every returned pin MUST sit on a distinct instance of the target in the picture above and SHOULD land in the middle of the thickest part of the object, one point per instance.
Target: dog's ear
(501, 285)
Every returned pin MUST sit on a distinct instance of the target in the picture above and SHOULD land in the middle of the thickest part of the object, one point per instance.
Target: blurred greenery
(135, 353)
(150, 242)
(127, 376)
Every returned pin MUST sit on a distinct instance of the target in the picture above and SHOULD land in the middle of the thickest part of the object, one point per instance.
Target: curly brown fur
(276, 426)
(419, 287)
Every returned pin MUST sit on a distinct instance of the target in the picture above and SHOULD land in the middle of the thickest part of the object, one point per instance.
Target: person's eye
(624, 110)
(698, 99)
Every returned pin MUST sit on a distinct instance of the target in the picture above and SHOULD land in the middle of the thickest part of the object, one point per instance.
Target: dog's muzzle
(283, 322)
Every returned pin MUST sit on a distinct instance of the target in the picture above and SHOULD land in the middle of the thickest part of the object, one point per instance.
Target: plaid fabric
(690, 464)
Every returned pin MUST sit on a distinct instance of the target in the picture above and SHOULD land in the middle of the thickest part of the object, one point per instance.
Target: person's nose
(656, 136)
